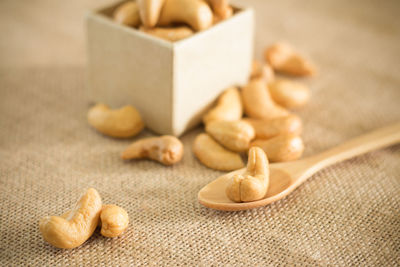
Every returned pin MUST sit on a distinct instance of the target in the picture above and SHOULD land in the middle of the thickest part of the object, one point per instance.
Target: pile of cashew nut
(269, 132)
(74, 227)
(172, 20)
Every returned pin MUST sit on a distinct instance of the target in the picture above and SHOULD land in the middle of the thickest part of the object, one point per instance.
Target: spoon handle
(380, 138)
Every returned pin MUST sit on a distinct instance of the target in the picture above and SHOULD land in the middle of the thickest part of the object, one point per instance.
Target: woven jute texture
(346, 215)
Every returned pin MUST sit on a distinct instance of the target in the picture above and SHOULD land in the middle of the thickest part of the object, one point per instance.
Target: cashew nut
(195, 13)
(263, 71)
(234, 135)
(258, 103)
(283, 58)
(166, 149)
(215, 156)
(229, 107)
(170, 34)
(289, 94)
(285, 147)
(219, 6)
(253, 184)
(226, 14)
(77, 227)
(266, 129)
(121, 123)
(114, 220)
(150, 11)
(127, 14)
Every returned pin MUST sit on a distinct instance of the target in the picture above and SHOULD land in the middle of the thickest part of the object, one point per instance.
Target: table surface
(345, 215)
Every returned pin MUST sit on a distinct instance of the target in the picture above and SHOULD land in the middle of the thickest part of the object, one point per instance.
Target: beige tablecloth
(347, 215)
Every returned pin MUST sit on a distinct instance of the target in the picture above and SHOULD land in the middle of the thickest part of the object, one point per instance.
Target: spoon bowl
(286, 177)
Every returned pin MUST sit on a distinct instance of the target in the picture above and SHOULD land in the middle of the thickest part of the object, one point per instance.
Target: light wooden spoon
(285, 177)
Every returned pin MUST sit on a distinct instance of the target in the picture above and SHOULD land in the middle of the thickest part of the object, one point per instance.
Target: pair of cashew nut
(73, 228)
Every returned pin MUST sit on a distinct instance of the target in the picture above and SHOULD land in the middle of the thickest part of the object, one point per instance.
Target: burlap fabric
(346, 215)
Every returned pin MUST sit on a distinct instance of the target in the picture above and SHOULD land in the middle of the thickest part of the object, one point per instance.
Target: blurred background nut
(120, 123)
(150, 11)
(234, 135)
(219, 6)
(195, 13)
(228, 108)
(127, 14)
(172, 34)
(285, 147)
(227, 13)
(265, 129)
(283, 58)
(262, 71)
(215, 156)
(166, 149)
(289, 94)
(258, 103)
(114, 220)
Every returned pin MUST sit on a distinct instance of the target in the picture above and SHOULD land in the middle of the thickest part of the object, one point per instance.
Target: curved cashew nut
(253, 184)
(114, 220)
(266, 129)
(234, 135)
(150, 11)
(262, 71)
(166, 149)
(195, 13)
(127, 14)
(219, 6)
(283, 58)
(172, 34)
(215, 156)
(285, 147)
(258, 103)
(226, 14)
(78, 225)
(289, 94)
(229, 107)
(121, 123)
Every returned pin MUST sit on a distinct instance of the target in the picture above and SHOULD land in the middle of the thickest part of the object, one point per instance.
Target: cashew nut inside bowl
(196, 13)
(127, 14)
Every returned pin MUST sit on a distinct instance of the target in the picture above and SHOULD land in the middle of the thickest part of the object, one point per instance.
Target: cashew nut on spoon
(285, 177)
(253, 184)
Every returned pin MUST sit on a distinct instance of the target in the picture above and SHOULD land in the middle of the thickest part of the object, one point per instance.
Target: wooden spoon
(286, 177)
